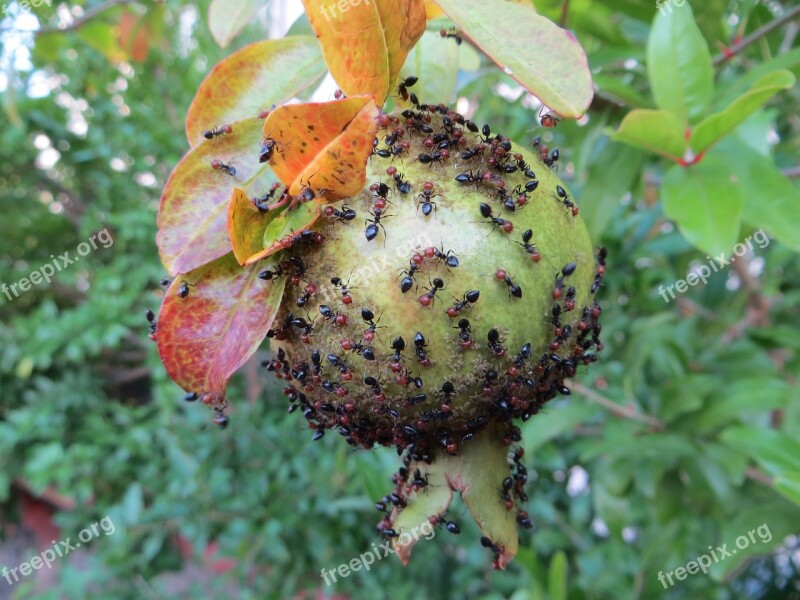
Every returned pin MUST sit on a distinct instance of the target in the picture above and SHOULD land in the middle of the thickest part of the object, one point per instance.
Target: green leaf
(679, 64)
(545, 59)
(612, 175)
(558, 577)
(226, 18)
(253, 79)
(658, 131)
(436, 64)
(706, 202)
(718, 125)
(612, 87)
(772, 201)
(776, 452)
(738, 86)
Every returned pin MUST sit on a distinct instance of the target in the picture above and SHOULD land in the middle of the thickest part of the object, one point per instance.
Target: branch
(615, 408)
(562, 22)
(87, 16)
(759, 33)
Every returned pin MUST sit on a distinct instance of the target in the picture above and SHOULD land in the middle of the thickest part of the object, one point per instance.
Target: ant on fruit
(408, 280)
(345, 214)
(210, 134)
(404, 187)
(369, 318)
(530, 248)
(427, 196)
(486, 213)
(466, 333)
(551, 160)
(404, 85)
(420, 345)
(427, 298)
(470, 297)
(347, 299)
(429, 159)
(330, 315)
(563, 197)
(183, 290)
(221, 166)
(494, 343)
(371, 231)
(513, 288)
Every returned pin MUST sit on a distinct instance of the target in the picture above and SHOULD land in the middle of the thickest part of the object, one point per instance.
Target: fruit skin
(391, 409)
(445, 397)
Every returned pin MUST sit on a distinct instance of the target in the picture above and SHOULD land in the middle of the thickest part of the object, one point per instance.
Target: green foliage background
(87, 408)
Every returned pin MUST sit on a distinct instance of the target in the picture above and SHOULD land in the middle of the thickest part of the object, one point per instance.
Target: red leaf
(206, 336)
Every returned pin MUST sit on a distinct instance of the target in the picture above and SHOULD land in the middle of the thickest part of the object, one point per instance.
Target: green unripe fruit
(453, 295)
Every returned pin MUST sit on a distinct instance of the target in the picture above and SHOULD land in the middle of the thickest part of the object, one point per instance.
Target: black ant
(262, 203)
(420, 345)
(398, 345)
(404, 187)
(427, 196)
(276, 271)
(369, 318)
(551, 160)
(406, 83)
(513, 288)
(428, 297)
(210, 134)
(183, 290)
(151, 318)
(564, 198)
(486, 213)
(346, 297)
(221, 166)
(429, 159)
(466, 333)
(371, 231)
(267, 149)
(494, 343)
(450, 259)
(530, 248)
(330, 315)
(470, 297)
(407, 281)
(345, 214)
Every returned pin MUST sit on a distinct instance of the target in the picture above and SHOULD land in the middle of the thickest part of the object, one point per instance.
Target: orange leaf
(328, 141)
(365, 44)
(204, 337)
(133, 36)
(432, 10)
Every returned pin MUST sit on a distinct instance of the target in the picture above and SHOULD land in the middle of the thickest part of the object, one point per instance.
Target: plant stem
(615, 408)
(790, 15)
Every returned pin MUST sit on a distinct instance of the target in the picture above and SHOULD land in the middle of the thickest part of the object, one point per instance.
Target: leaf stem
(615, 408)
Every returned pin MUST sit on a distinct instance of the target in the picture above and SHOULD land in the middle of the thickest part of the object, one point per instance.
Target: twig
(615, 408)
(758, 305)
(776, 23)
(87, 16)
(757, 475)
(791, 172)
(562, 22)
